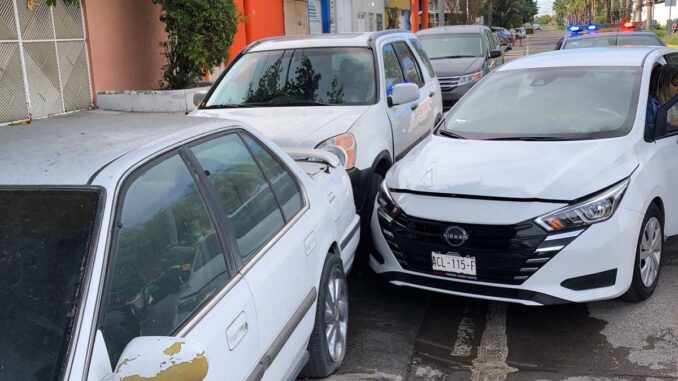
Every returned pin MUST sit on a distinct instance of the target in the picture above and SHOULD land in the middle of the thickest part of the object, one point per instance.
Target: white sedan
(176, 248)
(542, 186)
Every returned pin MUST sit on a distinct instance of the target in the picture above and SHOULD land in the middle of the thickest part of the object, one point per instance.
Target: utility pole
(467, 16)
(650, 15)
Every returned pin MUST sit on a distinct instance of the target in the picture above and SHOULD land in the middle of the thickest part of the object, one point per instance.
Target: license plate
(452, 263)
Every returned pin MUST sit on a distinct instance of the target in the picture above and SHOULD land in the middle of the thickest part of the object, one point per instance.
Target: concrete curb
(148, 100)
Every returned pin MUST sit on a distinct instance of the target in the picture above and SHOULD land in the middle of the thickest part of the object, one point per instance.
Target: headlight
(344, 147)
(386, 201)
(598, 208)
(470, 78)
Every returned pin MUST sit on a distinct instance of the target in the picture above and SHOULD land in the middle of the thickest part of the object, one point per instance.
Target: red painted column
(424, 14)
(414, 15)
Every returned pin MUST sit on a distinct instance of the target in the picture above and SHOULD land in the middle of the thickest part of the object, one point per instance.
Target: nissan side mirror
(198, 97)
(403, 93)
(161, 358)
(495, 53)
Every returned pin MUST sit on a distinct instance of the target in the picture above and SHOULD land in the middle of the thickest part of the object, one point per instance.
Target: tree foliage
(199, 34)
(513, 13)
(598, 11)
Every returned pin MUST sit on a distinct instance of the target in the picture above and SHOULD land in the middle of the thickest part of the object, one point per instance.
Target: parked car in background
(174, 247)
(537, 27)
(461, 55)
(369, 98)
(537, 198)
(503, 35)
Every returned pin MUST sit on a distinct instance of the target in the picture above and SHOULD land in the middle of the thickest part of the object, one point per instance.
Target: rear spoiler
(317, 155)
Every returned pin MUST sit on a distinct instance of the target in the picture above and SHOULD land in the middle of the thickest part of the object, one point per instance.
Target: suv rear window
(298, 77)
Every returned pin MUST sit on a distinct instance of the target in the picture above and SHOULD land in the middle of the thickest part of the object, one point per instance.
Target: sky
(545, 7)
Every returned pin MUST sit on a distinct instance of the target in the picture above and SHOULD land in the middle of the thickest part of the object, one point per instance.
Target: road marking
(462, 346)
(490, 364)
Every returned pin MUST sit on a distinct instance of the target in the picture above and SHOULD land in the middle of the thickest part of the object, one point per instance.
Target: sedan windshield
(45, 238)
(298, 77)
(549, 104)
(457, 45)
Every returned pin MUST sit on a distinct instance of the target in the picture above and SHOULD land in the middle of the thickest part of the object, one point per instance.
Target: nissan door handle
(414, 106)
(237, 331)
(431, 94)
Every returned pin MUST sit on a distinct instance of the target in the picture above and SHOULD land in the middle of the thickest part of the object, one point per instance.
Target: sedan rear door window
(168, 260)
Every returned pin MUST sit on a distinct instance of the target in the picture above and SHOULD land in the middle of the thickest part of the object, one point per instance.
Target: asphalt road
(398, 333)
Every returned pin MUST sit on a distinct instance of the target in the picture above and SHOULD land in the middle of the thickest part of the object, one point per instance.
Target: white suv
(368, 97)
(177, 249)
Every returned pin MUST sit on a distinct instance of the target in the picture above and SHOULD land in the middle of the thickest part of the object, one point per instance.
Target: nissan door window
(45, 239)
(284, 185)
(408, 63)
(422, 54)
(300, 77)
(592, 102)
(245, 194)
(393, 74)
(168, 260)
(457, 45)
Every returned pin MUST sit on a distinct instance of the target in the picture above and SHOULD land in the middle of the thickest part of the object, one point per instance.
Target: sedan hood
(562, 171)
(293, 126)
(457, 66)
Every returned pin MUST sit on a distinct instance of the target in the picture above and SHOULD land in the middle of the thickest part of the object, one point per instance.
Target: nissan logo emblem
(455, 236)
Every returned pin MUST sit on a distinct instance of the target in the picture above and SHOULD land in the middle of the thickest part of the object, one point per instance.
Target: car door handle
(237, 330)
(414, 106)
(431, 94)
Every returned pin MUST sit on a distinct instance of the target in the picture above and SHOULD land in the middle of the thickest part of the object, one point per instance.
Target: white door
(667, 144)
(399, 115)
(422, 112)
(264, 206)
(296, 17)
(344, 11)
(361, 22)
(173, 272)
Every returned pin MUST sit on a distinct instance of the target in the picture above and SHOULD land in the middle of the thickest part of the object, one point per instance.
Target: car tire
(327, 345)
(366, 242)
(649, 253)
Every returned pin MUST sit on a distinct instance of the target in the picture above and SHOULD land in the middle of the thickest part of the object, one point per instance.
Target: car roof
(452, 29)
(324, 40)
(609, 56)
(70, 149)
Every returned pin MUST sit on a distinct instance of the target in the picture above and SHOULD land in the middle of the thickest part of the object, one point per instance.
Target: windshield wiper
(530, 138)
(449, 57)
(232, 105)
(450, 134)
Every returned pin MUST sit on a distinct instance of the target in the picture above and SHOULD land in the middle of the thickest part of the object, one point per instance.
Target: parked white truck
(368, 98)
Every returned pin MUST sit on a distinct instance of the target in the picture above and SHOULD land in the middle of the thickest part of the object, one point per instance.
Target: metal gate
(44, 67)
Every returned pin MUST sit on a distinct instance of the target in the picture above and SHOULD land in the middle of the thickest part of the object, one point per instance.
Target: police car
(541, 186)
(599, 36)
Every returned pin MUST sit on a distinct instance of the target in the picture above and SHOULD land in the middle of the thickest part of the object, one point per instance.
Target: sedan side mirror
(198, 97)
(403, 93)
(161, 358)
(495, 53)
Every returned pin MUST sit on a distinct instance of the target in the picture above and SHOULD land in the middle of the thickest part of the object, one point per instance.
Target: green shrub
(199, 35)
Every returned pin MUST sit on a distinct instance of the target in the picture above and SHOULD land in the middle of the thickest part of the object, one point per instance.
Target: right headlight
(598, 208)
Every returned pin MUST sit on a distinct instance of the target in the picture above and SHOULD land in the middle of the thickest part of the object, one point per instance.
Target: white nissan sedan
(177, 248)
(542, 186)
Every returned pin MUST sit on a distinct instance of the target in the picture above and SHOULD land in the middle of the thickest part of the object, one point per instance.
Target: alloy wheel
(336, 316)
(650, 251)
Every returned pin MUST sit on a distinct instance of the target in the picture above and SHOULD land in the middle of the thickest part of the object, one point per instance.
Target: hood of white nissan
(531, 170)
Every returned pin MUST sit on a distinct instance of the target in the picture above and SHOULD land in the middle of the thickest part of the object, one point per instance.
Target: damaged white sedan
(163, 248)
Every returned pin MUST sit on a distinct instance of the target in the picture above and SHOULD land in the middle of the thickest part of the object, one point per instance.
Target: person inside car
(663, 86)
